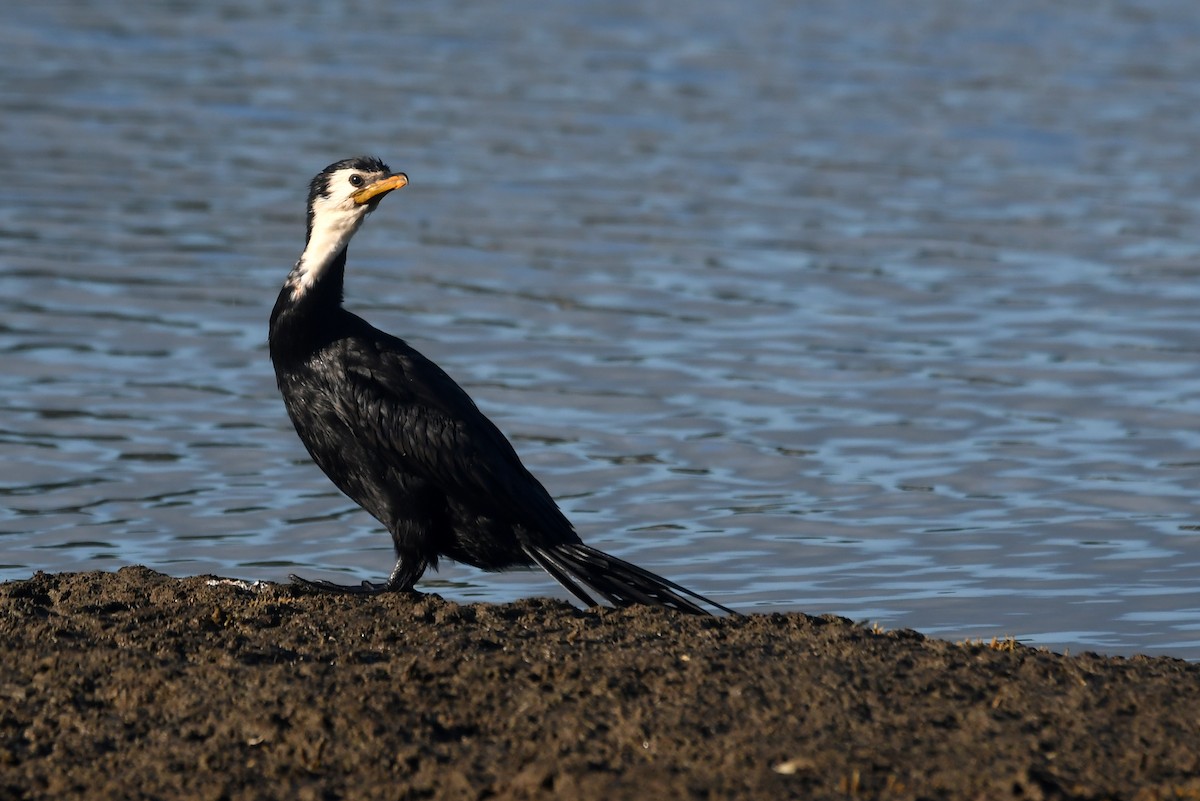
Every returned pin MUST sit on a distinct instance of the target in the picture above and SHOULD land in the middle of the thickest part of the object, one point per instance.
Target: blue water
(888, 312)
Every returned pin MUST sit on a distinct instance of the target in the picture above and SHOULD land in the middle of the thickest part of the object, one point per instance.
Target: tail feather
(615, 580)
(597, 572)
(560, 573)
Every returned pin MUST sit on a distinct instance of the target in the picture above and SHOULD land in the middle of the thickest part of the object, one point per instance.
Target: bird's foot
(366, 588)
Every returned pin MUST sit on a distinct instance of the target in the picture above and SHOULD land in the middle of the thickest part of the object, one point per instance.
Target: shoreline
(133, 684)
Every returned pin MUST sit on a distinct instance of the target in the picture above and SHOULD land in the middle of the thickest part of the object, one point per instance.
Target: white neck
(331, 232)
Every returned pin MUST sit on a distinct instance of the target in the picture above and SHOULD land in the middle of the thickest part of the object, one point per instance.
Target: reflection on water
(888, 316)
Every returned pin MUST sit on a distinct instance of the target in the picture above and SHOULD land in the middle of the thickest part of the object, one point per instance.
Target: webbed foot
(366, 588)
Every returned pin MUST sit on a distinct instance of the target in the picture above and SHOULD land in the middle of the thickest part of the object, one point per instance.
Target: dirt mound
(136, 685)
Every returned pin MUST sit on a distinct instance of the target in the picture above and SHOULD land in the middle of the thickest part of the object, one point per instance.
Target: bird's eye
(356, 180)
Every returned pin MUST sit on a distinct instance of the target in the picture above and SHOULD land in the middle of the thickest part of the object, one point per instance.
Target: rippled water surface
(885, 311)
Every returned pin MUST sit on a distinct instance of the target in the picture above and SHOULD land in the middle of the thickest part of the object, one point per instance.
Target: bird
(404, 441)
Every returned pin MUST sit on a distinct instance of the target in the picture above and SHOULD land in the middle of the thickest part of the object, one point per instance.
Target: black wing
(417, 419)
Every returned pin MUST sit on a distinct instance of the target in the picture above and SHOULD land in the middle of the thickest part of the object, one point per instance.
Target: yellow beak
(379, 188)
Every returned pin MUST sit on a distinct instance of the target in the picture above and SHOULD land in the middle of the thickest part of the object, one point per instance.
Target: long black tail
(620, 583)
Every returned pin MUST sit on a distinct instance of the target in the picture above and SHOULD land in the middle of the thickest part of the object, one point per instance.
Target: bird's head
(344, 193)
(339, 198)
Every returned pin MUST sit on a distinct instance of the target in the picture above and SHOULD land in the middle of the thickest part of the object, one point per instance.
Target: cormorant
(405, 442)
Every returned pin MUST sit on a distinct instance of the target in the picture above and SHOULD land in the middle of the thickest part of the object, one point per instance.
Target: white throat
(334, 223)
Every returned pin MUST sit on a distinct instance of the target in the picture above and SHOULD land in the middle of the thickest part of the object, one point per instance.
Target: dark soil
(136, 685)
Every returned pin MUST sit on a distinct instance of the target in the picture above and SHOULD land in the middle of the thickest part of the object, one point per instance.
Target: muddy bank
(136, 685)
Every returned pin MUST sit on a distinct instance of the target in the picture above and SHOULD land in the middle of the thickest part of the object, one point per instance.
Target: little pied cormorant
(405, 442)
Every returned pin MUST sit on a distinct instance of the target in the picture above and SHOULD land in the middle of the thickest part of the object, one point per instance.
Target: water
(882, 311)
